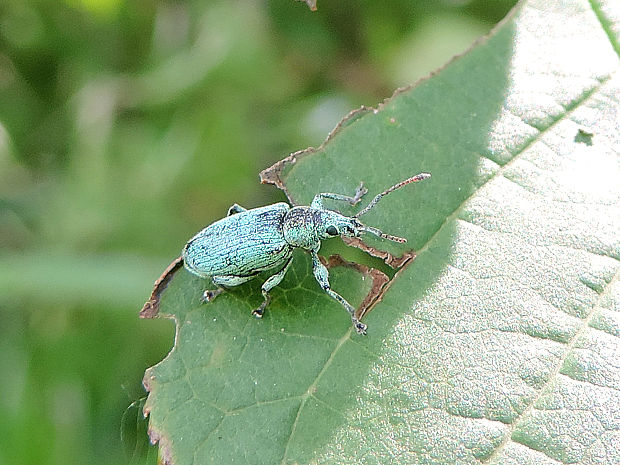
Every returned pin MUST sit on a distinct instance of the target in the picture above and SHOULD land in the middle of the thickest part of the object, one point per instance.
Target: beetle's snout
(350, 227)
(357, 228)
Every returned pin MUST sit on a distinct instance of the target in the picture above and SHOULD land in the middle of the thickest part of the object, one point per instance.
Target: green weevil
(245, 243)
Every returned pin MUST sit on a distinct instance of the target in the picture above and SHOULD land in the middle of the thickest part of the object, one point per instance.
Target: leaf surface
(500, 342)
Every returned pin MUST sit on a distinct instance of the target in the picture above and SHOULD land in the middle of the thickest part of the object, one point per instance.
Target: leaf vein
(584, 326)
(311, 388)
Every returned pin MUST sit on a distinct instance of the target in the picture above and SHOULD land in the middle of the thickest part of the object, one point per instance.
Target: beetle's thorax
(299, 227)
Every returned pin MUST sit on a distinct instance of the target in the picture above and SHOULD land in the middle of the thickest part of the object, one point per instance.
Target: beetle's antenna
(416, 178)
(379, 233)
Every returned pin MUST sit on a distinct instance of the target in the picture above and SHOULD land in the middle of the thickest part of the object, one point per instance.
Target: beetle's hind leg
(210, 294)
(268, 285)
(222, 283)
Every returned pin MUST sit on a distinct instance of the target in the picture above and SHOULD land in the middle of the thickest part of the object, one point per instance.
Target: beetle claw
(359, 193)
(360, 327)
(209, 295)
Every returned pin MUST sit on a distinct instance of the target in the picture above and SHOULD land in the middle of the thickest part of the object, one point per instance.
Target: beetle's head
(332, 224)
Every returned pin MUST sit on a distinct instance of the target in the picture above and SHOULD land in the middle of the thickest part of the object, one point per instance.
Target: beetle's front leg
(210, 294)
(268, 285)
(317, 202)
(322, 276)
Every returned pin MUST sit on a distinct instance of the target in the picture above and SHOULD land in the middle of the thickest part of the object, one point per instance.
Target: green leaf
(499, 343)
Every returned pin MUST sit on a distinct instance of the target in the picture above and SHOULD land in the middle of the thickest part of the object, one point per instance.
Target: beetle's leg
(235, 209)
(223, 282)
(211, 294)
(317, 202)
(268, 285)
(322, 276)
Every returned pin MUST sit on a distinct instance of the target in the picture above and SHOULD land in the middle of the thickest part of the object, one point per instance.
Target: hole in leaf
(584, 137)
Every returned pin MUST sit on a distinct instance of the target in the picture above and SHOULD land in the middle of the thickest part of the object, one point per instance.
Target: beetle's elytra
(238, 247)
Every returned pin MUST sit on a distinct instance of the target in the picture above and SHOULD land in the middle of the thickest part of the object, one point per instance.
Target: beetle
(245, 243)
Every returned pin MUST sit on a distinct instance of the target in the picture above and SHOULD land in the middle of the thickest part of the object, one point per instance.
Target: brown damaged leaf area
(379, 281)
(388, 258)
(151, 307)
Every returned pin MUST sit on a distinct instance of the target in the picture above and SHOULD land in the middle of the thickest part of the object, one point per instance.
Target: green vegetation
(127, 126)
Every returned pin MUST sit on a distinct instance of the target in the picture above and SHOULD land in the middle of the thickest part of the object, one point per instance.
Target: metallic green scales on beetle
(237, 248)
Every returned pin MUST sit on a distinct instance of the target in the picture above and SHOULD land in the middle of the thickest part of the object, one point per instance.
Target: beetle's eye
(332, 231)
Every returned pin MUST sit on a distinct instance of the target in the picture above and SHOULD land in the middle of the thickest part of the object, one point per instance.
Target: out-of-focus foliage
(126, 126)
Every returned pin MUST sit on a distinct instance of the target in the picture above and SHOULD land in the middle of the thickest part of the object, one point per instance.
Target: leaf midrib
(569, 347)
(605, 25)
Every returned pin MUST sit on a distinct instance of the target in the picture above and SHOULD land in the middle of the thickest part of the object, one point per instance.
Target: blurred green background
(125, 127)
